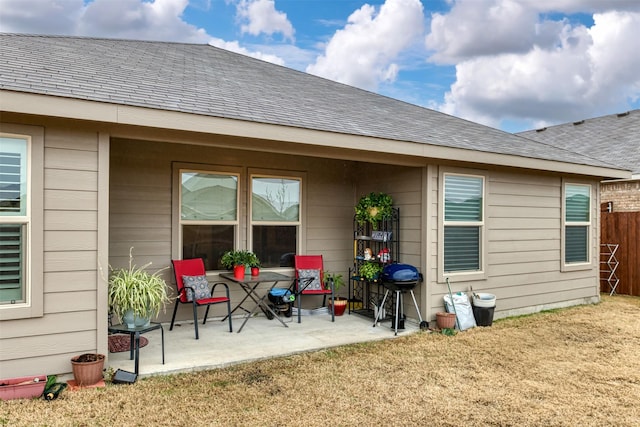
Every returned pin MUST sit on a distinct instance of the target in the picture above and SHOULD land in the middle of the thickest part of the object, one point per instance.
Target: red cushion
(213, 300)
(317, 292)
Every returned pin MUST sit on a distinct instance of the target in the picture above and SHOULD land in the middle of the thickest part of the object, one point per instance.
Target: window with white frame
(14, 220)
(208, 214)
(577, 223)
(275, 218)
(463, 223)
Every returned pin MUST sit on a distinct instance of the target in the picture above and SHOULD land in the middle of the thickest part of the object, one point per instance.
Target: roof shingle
(614, 138)
(204, 80)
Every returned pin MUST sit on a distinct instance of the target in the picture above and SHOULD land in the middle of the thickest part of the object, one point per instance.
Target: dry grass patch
(577, 366)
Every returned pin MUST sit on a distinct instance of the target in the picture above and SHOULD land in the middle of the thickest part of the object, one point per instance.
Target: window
(577, 223)
(21, 221)
(211, 218)
(208, 215)
(14, 220)
(463, 223)
(275, 219)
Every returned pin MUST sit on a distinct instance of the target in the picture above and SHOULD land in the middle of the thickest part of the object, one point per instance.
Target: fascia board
(69, 108)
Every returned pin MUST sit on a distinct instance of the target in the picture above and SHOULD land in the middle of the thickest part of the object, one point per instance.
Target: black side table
(134, 338)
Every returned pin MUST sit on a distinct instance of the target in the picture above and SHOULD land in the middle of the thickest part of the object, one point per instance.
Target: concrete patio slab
(260, 339)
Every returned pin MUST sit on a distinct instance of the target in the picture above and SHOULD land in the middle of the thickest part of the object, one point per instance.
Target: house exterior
(613, 138)
(182, 150)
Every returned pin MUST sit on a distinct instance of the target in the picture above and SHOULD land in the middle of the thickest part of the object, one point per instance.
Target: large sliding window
(463, 223)
(14, 220)
(577, 223)
(275, 218)
(208, 215)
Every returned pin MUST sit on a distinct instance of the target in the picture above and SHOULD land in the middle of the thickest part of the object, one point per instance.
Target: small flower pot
(87, 368)
(255, 271)
(340, 305)
(445, 320)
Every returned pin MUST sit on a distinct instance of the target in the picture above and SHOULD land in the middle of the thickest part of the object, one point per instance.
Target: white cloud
(614, 55)
(583, 6)
(136, 19)
(474, 28)
(363, 52)
(39, 17)
(234, 46)
(263, 18)
(538, 70)
(125, 19)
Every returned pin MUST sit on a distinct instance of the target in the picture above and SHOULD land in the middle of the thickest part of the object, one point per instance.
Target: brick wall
(625, 195)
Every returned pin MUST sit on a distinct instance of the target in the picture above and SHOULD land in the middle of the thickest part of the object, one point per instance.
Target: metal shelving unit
(383, 240)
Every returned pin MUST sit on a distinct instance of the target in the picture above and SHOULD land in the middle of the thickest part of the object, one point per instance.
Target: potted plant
(253, 263)
(370, 270)
(238, 260)
(135, 295)
(374, 207)
(339, 303)
(87, 368)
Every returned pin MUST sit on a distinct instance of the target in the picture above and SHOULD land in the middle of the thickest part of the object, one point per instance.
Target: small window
(577, 223)
(14, 220)
(463, 223)
(275, 219)
(208, 215)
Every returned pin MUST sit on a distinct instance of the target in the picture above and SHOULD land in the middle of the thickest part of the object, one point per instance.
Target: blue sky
(510, 64)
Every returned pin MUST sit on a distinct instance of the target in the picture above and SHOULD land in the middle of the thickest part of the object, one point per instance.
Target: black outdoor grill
(400, 278)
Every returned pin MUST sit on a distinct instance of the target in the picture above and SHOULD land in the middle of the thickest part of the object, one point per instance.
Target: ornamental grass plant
(134, 288)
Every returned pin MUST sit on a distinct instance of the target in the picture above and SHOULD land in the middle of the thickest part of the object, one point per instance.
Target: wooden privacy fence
(622, 229)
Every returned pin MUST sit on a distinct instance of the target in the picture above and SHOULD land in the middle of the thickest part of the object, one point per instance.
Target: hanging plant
(374, 207)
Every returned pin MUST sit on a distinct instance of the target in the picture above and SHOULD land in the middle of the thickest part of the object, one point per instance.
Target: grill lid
(400, 273)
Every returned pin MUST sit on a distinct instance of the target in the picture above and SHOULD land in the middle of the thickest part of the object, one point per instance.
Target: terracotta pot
(238, 271)
(340, 305)
(87, 368)
(445, 320)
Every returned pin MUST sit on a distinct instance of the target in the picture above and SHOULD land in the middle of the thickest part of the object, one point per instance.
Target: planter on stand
(238, 271)
(130, 319)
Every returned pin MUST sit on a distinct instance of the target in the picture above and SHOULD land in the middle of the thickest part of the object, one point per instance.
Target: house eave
(126, 115)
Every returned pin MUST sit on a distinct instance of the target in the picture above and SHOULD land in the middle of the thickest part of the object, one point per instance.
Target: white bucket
(484, 300)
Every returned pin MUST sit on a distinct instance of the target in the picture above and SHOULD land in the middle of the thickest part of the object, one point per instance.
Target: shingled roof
(614, 138)
(208, 81)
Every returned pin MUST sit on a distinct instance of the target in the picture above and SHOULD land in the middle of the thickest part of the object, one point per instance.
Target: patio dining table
(249, 285)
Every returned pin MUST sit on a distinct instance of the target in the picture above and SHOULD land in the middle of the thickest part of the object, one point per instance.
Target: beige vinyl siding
(524, 223)
(69, 253)
(141, 204)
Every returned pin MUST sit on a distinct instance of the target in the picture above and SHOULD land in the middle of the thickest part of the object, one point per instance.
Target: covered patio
(260, 339)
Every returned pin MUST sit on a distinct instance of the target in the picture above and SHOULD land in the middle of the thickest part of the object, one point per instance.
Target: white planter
(484, 300)
(133, 321)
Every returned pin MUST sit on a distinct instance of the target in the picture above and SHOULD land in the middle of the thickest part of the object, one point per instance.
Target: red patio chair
(310, 280)
(193, 289)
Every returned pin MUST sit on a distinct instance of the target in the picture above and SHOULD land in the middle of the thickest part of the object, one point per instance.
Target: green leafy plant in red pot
(339, 303)
(238, 261)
